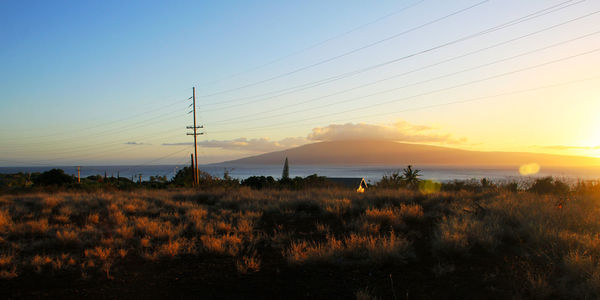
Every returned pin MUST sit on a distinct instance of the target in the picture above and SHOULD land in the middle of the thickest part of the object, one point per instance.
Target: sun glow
(593, 142)
(529, 169)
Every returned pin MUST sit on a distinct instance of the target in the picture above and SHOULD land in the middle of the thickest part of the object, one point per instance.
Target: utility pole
(78, 174)
(195, 134)
(192, 166)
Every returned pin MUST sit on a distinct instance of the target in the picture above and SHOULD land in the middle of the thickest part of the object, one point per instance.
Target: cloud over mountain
(400, 131)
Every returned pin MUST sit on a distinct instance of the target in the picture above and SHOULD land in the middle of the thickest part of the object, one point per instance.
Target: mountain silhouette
(376, 152)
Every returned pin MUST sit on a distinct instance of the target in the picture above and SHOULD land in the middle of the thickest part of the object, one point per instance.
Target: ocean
(370, 173)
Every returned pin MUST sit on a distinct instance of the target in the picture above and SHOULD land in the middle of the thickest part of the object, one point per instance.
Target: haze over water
(371, 173)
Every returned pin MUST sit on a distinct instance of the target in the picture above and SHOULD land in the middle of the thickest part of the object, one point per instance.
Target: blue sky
(108, 81)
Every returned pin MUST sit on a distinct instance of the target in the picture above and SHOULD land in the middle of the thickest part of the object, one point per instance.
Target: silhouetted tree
(393, 180)
(286, 170)
(15, 180)
(259, 182)
(411, 177)
(549, 185)
(184, 177)
(54, 177)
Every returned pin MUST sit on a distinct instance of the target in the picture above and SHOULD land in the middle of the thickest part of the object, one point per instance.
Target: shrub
(248, 264)
(549, 185)
(393, 180)
(259, 182)
(354, 247)
(55, 177)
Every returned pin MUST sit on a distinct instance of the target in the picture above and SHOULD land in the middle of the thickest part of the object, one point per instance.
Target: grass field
(317, 243)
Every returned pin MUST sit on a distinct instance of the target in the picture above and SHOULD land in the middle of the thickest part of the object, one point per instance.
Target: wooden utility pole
(195, 134)
(192, 166)
(78, 174)
(195, 143)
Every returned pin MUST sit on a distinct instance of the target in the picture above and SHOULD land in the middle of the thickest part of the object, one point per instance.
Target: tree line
(407, 178)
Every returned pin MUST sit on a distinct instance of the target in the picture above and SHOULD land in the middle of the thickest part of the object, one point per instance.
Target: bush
(408, 179)
(184, 177)
(55, 177)
(549, 185)
(15, 180)
(393, 180)
(259, 182)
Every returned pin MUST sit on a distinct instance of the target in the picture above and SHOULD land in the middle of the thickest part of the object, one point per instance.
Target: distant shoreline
(370, 172)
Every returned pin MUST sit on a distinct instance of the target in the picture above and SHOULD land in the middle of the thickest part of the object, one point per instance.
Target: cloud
(136, 143)
(566, 147)
(250, 145)
(401, 131)
(178, 144)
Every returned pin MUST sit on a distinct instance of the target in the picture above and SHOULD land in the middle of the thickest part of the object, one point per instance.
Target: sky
(109, 82)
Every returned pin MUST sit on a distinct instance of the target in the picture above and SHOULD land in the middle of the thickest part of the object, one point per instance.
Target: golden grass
(156, 228)
(372, 249)
(387, 217)
(224, 244)
(5, 221)
(248, 264)
(555, 249)
(67, 236)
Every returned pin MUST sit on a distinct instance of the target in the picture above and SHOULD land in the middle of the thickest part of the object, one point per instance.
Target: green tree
(286, 170)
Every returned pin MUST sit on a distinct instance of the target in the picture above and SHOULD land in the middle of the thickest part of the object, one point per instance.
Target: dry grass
(352, 248)
(248, 264)
(546, 249)
(5, 221)
(364, 294)
(67, 236)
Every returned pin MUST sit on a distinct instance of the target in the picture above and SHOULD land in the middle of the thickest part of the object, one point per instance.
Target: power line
(434, 91)
(195, 134)
(136, 125)
(316, 44)
(110, 151)
(72, 149)
(348, 52)
(407, 85)
(93, 146)
(157, 159)
(104, 123)
(294, 89)
(489, 97)
(457, 101)
(511, 23)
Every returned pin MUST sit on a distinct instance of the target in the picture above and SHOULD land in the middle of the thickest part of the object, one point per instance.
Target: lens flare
(529, 169)
(429, 186)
